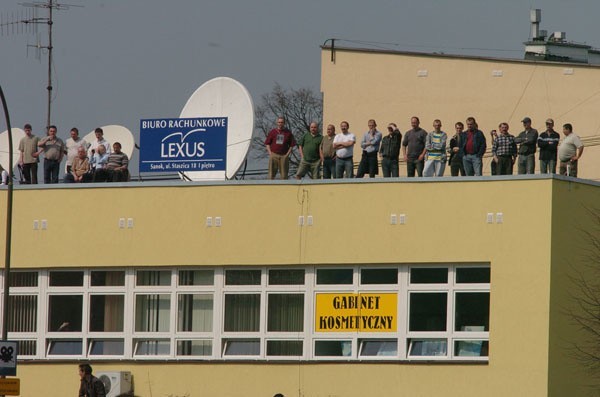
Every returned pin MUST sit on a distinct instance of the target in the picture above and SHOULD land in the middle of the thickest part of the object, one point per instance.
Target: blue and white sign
(8, 358)
(194, 144)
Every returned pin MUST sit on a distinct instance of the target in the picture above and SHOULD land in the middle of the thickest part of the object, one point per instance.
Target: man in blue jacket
(472, 148)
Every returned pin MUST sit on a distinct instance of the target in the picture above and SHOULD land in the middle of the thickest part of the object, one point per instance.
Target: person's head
(372, 125)
(526, 122)
(549, 124)
(437, 124)
(99, 133)
(314, 128)
(101, 149)
(459, 126)
(116, 147)
(278, 395)
(503, 127)
(392, 127)
(471, 124)
(27, 129)
(74, 133)
(331, 130)
(52, 130)
(414, 122)
(81, 153)
(344, 125)
(84, 370)
(567, 129)
(280, 123)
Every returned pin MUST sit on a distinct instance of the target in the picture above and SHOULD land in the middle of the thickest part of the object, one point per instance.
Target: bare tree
(299, 107)
(586, 300)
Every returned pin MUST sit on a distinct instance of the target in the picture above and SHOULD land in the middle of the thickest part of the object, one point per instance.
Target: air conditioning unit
(116, 383)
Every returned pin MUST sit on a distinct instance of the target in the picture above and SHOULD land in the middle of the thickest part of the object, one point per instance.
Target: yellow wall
(446, 222)
(361, 85)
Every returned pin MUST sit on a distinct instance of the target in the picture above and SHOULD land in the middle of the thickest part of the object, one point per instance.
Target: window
(428, 311)
(242, 313)
(66, 279)
(65, 313)
(114, 278)
(286, 313)
(379, 276)
(196, 277)
(153, 277)
(242, 277)
(333, 348)
(152, 312)
(335, 276)
(194, 313)
(107, 313)
(286, 277)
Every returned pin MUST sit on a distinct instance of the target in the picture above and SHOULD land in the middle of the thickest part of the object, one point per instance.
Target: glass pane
(194, 313)
(107, 347)
(471, 348)
(109, 278)
(286, 277)
(194, 347)
(22, 313)
(152, 313)
(334, 276)
(66, 279)
(428, 311)
(379, 276)
(23, 279)
(242, 313)
(242, 277)
(153, 277)
(64, 347)
(472, 311)
(155, 347)
(379, 347)
(284, 348)
(65, 313)
(473, 275)
(107, 313)
(428, 275)
(249, 347)
(27, 347)
(333, 348)
(196, 277)
(286, 313)
(427, 347)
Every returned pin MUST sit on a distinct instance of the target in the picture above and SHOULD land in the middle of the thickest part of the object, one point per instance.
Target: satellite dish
(17, 134)
(224, 97)
(115, 133)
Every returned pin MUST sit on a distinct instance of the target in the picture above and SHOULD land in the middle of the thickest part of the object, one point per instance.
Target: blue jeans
(328, 168)
(548, 166)
(51, 169)
(389, 167)
(344, 166)
(472, 164)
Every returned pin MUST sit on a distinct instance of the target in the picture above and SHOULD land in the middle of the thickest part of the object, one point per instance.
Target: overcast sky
(118, 61)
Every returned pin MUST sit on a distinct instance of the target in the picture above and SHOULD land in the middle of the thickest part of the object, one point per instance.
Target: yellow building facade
(439, 287)
(391, 86)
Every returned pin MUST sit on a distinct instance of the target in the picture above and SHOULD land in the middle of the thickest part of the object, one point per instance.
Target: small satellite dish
(17, 134)
(224, 97)
(115, 133)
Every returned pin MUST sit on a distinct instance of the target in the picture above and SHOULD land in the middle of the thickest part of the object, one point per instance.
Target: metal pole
(49, 87)
(9, 205)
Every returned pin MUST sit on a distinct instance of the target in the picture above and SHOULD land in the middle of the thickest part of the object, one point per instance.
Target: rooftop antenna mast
(26, 23)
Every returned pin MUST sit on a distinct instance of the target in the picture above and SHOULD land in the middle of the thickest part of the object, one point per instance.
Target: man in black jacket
(548, 144)
(527, 140)
(90, 385)
(390, 151)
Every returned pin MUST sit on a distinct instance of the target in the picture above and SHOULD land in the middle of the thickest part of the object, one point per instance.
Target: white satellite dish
(224, 97)
(17, 134)
(115, 133)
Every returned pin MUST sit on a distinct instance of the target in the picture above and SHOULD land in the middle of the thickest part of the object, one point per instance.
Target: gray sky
(118, 61)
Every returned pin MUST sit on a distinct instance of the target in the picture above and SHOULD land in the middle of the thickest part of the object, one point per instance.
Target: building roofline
(455, 56)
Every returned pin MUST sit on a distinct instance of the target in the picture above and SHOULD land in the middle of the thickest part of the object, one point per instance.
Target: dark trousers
(368, 163)
(389, 167)
(413, 165)
(30, 172)
(328, 168)
(456, 166)
(504, 165)
(51, 169)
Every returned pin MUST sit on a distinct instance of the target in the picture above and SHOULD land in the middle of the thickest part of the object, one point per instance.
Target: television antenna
(27, 22)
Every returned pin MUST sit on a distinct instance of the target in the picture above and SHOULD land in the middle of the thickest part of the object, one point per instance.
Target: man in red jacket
(279, 145)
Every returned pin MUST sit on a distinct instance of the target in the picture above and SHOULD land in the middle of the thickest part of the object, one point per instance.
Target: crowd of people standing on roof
(426, 154)
(95, 161)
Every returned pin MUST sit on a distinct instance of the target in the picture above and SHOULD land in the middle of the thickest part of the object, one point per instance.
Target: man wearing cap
(548, 144)
(528, 141)
(29, 155)
(569, 152)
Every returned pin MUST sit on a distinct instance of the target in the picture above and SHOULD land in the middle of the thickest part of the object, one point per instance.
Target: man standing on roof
(528, 141)
(413, 148)
(548, 144)
(472, 148)
(569, 152)
(279, 144)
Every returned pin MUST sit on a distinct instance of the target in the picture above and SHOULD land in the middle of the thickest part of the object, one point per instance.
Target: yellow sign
(10, 386)
(372, 312)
